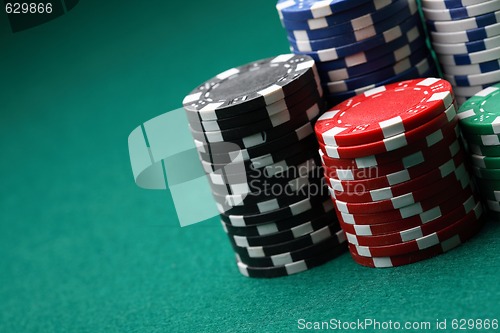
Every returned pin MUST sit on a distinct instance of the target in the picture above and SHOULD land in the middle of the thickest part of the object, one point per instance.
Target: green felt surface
(82, 249)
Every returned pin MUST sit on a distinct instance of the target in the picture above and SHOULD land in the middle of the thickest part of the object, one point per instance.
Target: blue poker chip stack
(358, 44)
(465, 35)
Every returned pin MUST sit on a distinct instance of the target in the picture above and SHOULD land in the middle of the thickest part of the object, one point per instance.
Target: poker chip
(368, 191)
(478, 119)
(213, 152)
(420, 255)
(407, 156)
(324, 53)
(393, 142)
(471, 58)
(424, 69)
(394, 173)
(493, 206)
(328, 234)
(285, 258)
(255, 204)
(446, 4)
(351, 36)
(398, 49)
(306, 96)
(253, 130)
(465, 224)
(396, 170)
(408, 198)
(469, 47)
(484, 150)
(332, 48)
(473, 79)
(466, 38)
(405, 55)
(469, 91)
(480, 114)
(484, 67)
(290, 211)
(249, 87)
(446, 212)
(277, 125)
(424, 100)
(486, 173)
(271, 228)
(394, 220)
(261, 161)
(433, 148)
(484, 140)
(293, 268)
(490, 190)
(460, 99)
(449, 14)
(366, 45)
(341, 21)
(485, 162)
(411, 233)
(308, 38)
(286, 235)
(334, 17)
(464, 24)
(307, 9)
(268, 165)
(336, 86)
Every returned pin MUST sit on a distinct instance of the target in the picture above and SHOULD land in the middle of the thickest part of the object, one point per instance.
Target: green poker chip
(488, 191)
(488, 184)
(484, 139)
(490, 174)
(490, 151)
(480, 114)
(485, 162)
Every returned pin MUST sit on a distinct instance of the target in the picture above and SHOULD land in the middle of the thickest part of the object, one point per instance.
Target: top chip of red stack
(384, 112)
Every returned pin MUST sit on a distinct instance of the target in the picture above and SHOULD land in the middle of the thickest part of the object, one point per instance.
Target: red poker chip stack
(397, 174)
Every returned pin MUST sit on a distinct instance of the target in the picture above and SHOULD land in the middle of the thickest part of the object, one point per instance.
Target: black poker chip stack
(254, 130)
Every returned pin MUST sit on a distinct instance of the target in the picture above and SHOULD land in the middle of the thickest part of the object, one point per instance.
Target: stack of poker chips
(254, 130)
(465, 35)
(397, 173)
(479, 120)
(358, 45)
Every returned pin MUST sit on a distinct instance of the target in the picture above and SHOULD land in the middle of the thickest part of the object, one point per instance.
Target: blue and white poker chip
(298, 10)
(386, 36)
(306, 44)
(354, 35)
(483, 67)
(425, 68)
(473, 79)
(461, 99)
(469, 91)
(418, 52)
(471, 58)
(341, 27)
(346, 50)
(461, 13)
(465, 24)
(444, 4)
(412, 40)
(376, 76)
(466, 35)
(469, 47)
